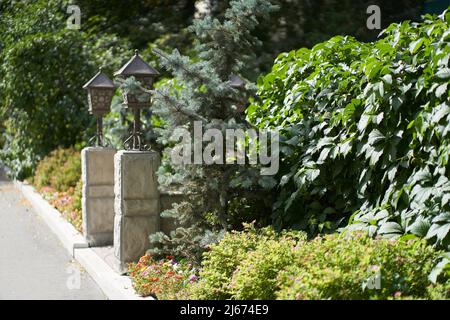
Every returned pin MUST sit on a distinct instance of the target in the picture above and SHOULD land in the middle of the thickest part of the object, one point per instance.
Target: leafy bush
(265, 265)
(223, 259)
(348, 266)
(165, 279)
(58, 179)
(43, 66)
(60, 170)
(256, 275)
(366, 131)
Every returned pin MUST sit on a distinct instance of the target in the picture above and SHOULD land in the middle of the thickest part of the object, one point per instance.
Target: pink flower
(192, 278)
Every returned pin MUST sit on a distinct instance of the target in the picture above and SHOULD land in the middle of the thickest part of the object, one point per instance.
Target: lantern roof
(136, 67)
(100, 80)
(236, 81)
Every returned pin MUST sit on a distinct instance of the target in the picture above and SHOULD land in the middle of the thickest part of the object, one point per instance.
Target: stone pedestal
(136, 204)
(98, 195)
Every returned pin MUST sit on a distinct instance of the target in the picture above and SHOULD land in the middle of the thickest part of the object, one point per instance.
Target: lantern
(100, 93)
(143, 73)
(236, 82)
(146, 75)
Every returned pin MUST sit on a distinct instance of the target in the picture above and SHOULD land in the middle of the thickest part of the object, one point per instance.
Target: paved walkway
(33, 263)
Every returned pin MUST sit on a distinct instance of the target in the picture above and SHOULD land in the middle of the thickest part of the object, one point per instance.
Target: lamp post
(100, 93)
(142, 72)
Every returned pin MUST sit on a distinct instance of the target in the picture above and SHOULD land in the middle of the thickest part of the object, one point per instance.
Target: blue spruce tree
(211, 89)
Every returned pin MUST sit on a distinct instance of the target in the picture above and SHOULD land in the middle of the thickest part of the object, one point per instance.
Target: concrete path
(33, 263)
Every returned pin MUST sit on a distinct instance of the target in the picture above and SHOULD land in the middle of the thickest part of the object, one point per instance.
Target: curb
(67, 234)
(113, 285)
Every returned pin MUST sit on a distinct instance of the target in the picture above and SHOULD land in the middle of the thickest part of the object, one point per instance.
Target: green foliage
(347, 266)
(442, 268)
(261, 264)
(149, 23)
(256, 275)
(224, 258)
(305, 23)
(140, 21)
(60, 170)
(366, 131)
(43, 66)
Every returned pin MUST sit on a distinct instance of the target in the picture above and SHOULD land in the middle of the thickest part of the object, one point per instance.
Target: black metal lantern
(100, 93)
(236, 82)
(146, 75)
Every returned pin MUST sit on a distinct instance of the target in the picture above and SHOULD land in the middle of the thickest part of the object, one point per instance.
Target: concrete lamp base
(98, 195)
(136, 204)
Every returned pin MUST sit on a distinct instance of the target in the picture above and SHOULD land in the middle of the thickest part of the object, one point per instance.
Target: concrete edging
(113, 285)
(67, 234)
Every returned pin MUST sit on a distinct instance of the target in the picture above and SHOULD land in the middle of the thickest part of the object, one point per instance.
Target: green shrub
(223, 258)
(256, 275)
(60, 170)
(366, 132)
(261, 264)
(351, 266)
(58, 179)
(42, 105)
(220, 262)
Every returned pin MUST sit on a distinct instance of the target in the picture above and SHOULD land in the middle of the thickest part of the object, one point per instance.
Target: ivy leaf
(420, 227)
(345, 147)
(441, 90)
(421, 194)
(375, 155)
(387, 78)
(391, 173)
(445, 199)
(363, 122)
(441, 111)
(443, 74)
(443, 217)
(323, 155)
(438, 230)
(415, 45)
(390, 228)
(438, 269)
(375, 136)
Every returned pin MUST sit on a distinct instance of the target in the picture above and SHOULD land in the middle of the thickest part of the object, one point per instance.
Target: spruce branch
(176, 64)
(176, 105)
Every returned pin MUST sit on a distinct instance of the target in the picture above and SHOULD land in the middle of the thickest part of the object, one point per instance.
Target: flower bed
(68, 203)
(58, 179)
(164, 279)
